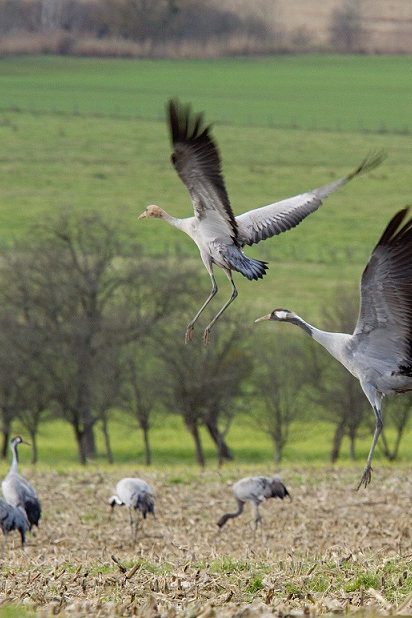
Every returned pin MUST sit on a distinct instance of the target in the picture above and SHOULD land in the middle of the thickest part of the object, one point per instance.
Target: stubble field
(328, 550)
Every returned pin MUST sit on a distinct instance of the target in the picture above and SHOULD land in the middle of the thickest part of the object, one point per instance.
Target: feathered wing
(13, 518)
(386, 292)
(261, 223)
(196, 160)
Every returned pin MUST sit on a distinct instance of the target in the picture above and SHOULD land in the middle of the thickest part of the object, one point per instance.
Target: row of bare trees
(136, 20)
(71, 26)
(90, 325)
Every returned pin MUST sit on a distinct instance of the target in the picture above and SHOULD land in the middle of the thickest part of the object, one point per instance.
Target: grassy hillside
(312, 92)
(88, 134)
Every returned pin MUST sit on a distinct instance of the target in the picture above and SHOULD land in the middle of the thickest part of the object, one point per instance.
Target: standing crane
(379, 352)
(255, 489)
(218, 234)
(137, 495)
(19, 492)
(13, 518)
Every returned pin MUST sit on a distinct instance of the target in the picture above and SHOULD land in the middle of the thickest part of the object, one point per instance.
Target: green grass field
(311, 92)
(90, 134)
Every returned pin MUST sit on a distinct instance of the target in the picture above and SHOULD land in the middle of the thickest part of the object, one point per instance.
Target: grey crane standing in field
(255, 489)
(379, 352)
(13, 518)
(17, 491)
(137, 495)
(218, 234)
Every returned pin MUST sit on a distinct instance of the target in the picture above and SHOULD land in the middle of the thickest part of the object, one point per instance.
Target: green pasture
(89, 134)
(51, 161)
(172, 446)
(333, 92)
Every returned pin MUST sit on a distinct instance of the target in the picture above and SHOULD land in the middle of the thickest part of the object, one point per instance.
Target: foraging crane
(135, 494)
(255, 489)
(218, 234)
(13, 518)
(379, 352)
(19, 492)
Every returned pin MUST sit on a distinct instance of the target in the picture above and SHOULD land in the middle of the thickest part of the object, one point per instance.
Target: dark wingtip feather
(184, 124)
(33, 511)
(370, 162)
(392, 229)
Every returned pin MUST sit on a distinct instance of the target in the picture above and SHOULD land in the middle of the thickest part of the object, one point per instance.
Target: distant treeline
(91, 327)
(161, 28)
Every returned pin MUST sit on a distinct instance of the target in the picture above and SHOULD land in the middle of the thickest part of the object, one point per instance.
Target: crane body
(254, 489)
(13, 518)
(379, 352)
(218, 234)
(137, 495)
(18, 491)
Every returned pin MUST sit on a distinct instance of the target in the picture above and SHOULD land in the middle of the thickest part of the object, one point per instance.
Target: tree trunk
(107, 445)
(89, 440)
(85, 413)
(337, 441)
(278, 451)
(5, 442)
(147, 450)
(200, 458)
(34, 451)
(352, 438)
(223, 451)
(80, 445)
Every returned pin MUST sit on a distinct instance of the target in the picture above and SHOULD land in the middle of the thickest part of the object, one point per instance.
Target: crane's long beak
(26, 443)
(143, 215)
(264, 317)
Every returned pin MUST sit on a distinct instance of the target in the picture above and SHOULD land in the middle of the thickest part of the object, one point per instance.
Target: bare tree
(397, 415)
(203, 383)
(142, 390)
(84, 289)
(346, 30)
(279, 380)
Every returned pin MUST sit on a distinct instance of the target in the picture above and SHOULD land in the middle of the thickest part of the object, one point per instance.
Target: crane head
(152, 211)
(115, 500)
(19, 440)
(277, 315)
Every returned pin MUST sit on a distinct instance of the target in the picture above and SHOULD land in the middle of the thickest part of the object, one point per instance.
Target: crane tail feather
(248, 267)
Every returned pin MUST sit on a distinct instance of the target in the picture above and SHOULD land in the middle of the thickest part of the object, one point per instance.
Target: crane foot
(366, 477)
(206, 336)
(189, 334)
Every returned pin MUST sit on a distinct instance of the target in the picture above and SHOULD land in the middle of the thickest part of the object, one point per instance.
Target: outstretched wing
(386, 292)
(267, 221)
(197, 162)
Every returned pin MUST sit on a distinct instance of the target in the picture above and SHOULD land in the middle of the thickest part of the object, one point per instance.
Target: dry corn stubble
(329, 550)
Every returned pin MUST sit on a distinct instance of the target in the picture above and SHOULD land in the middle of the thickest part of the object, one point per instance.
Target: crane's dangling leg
(367, 473)
(258, 518)
(131, 520)
(189, 329)
(225, 306)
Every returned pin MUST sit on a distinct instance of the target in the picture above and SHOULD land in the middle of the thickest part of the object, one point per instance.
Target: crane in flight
(379, 352)
(219, 235)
